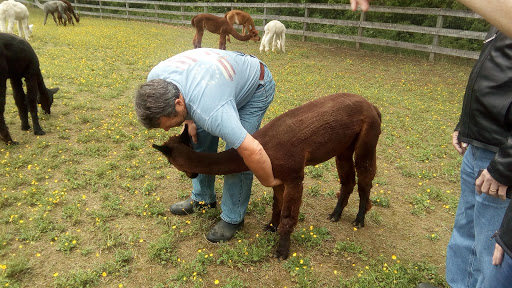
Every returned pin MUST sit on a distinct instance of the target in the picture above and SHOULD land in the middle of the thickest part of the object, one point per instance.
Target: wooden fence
(180, 13)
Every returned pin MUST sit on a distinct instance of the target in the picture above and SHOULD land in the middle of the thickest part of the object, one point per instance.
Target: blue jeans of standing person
(501, 276)
(470, 250)
(237, 187)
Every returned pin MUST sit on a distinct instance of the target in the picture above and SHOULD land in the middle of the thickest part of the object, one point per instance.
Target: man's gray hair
(155, 99)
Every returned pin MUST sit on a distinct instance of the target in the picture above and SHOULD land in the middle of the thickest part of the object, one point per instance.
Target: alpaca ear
(166, 150)
(184, 137)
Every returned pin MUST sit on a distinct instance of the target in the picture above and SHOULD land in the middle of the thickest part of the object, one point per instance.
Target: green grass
(91, 196)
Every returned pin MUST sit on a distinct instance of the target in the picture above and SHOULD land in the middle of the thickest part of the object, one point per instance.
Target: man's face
(167, 123)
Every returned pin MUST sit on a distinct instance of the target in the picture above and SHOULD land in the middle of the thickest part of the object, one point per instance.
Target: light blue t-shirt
(215, 84)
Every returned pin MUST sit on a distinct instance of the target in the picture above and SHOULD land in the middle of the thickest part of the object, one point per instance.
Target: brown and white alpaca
(71, 11)
(217, 25)
(17, 61)
(344, 126)
(241, 18)
(275, 32)
(11, 11)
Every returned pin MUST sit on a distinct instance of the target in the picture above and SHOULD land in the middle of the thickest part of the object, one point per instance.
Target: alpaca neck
(240, 37)
(227, 162)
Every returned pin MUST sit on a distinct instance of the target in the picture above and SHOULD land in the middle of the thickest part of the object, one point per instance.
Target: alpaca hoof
(334, 218)
(271, 228)
(39, 132)
(358, 223)
(12, 142)
(281, 254)
(25, 127)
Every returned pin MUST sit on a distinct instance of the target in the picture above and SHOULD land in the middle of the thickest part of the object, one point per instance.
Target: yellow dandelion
(216, 282)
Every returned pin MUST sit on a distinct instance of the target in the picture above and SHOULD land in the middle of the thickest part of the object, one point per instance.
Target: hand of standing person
(365, 4)
(459, 146)
(485, 183)
(497, 257)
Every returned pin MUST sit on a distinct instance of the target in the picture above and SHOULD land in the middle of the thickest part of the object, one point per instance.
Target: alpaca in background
(71, 11)
(52, 7)
(11, 11)
(17, 61)
(241, 18)
(275, 32)
(217, 25)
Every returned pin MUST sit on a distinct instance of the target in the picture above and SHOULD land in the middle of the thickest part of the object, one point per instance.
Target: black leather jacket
(486, 117)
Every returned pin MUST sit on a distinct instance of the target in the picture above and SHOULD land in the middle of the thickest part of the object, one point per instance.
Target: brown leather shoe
(189, 206)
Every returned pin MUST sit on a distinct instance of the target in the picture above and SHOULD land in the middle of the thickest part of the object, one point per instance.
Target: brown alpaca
(345, 126)
(217, 25)
(241, 18)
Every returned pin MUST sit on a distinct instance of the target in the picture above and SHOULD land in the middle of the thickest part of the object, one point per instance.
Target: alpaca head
(174, 148)
(46, 101)
(255, 35)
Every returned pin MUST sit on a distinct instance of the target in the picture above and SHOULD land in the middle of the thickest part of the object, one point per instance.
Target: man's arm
(496, 12)
(258, 162)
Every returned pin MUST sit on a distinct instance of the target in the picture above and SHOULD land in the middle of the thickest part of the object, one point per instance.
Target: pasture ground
(86, 205)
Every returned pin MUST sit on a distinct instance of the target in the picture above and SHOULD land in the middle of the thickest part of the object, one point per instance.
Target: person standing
(482, 135)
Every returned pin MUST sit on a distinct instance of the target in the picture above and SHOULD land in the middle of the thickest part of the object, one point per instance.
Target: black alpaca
(18, 60)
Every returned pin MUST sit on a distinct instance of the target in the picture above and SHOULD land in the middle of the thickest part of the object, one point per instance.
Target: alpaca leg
(4, 131)
(366, 167)
(55, 19)
(222, 41)
(347, 175)
(10, 25)
(32, 91)
(26, 29)
(276, 209)
(2, 23)
(263, 41)
(269, 38)
(289, 216)
(198, 38)
(45, 17)
(20, 100)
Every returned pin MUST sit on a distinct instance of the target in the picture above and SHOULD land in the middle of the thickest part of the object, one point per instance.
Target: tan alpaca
(241, 18)
(217, 25)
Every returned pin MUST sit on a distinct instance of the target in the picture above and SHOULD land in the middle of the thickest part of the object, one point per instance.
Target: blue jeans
(500, 276)
(470, 250)
(237, 187)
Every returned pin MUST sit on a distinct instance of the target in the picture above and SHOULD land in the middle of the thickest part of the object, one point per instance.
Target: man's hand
(365, 4)
(497, 258)
(459, 146)
(258, 162)
(485, 183)
(192, 129)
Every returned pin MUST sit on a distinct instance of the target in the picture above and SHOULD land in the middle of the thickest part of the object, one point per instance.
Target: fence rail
(180, 13)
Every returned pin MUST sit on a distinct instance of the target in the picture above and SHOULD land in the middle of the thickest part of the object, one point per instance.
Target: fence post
(205, 9)
(362, 18)
(435, 41)
(305, 24)
(182, 10)
(127, 7)
(264, 17)
(101, 13)
(156, 13)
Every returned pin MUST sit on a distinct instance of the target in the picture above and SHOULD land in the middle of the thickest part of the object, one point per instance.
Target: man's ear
(166, 150)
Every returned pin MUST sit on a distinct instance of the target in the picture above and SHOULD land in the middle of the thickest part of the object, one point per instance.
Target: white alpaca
(11, 11)
(275, 32)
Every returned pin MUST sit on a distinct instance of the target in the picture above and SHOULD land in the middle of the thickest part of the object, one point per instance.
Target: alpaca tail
(38, 4)
(193, 20)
